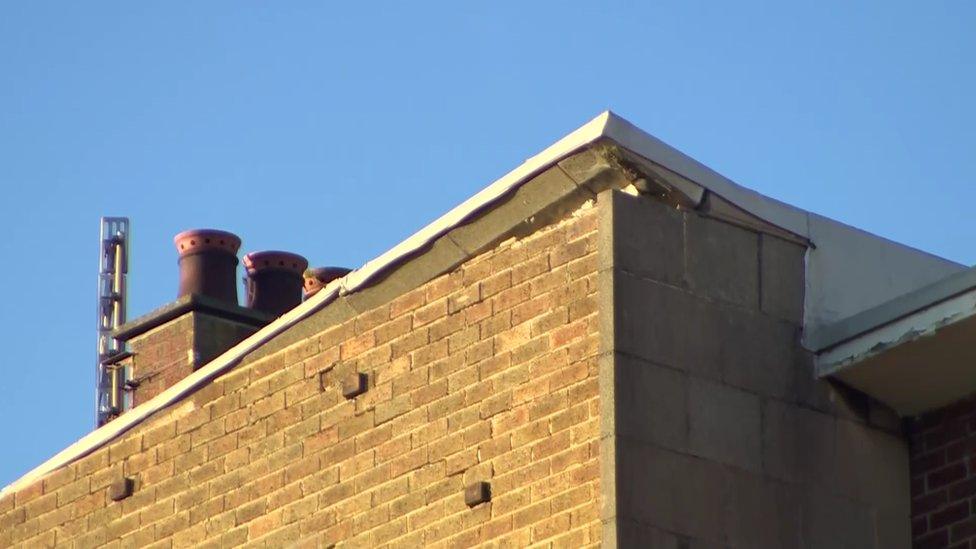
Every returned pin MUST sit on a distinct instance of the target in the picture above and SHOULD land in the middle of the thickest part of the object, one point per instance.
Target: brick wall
(943, 468)
(723, 435)
(172, 350)
(160, 357)
(488, 373)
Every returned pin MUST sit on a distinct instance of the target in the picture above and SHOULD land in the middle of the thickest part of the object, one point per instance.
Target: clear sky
(336, 129)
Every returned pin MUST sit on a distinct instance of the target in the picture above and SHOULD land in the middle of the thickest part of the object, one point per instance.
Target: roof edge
(829, 336)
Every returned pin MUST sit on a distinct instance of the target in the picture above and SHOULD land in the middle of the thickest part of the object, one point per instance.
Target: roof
(914, 352)
(848, 270)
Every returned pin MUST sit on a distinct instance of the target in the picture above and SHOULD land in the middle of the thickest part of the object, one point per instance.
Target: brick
(414, 340)
(950, 473)
(951, 514)
(355, 425)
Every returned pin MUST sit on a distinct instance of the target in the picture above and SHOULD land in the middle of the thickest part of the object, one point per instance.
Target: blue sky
(337, 129)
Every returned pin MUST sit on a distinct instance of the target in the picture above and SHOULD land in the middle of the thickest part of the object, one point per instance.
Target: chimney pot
(208, 263)
(274, 281)
(318, 277)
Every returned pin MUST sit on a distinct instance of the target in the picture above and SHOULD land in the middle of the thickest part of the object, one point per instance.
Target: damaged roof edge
(605, 126)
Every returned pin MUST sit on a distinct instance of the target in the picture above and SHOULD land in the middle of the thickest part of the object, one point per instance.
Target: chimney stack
(318, 277)
(171, 342)
(274, 281)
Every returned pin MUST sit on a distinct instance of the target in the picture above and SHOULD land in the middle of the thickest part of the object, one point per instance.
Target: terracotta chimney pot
(318, 277)
(208, 263)
(274, 281)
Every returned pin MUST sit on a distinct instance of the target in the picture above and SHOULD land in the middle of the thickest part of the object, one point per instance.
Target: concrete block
(724, 424)
(782, 278)
(722, 261)
(799, 445)
(651, 403)
(762, 513)
(664, 325)
(633, 534)
(892, 530)
(647, 238)
(834, 522)
(668, 326)
(671, 491)
(827, 395)
(756, 352)
(872, 467)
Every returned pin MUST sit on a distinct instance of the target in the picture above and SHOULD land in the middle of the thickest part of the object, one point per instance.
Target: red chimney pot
(317, 278)
(274, 281)
(208, 263)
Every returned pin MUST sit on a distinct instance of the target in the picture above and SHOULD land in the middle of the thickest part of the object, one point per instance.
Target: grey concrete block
(664, 325)
(761, 513)
(671, 491)
(872, 467)
(782, 278)
(724, 424)
(757, 352)
(648, 238)
(633, 534)
(722, 261)
(834, 522)
(826, 395)
(799, 445)
(668, 326)
(651, 403)
(892, 531)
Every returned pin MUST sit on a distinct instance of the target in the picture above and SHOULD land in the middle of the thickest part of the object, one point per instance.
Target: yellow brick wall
(488, 373)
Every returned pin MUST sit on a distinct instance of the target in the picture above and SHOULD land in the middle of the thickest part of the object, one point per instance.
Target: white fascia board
(922, 323)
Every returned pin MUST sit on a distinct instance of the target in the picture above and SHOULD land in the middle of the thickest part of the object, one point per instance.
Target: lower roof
(914, 353)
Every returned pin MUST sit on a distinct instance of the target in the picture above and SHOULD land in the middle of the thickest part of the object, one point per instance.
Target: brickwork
(723, 435)
(488, 373)
(161, 357)
(943, 468)
(169, 352)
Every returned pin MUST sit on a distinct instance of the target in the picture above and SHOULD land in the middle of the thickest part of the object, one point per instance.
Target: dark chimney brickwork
(166, 354)
(943, 469)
